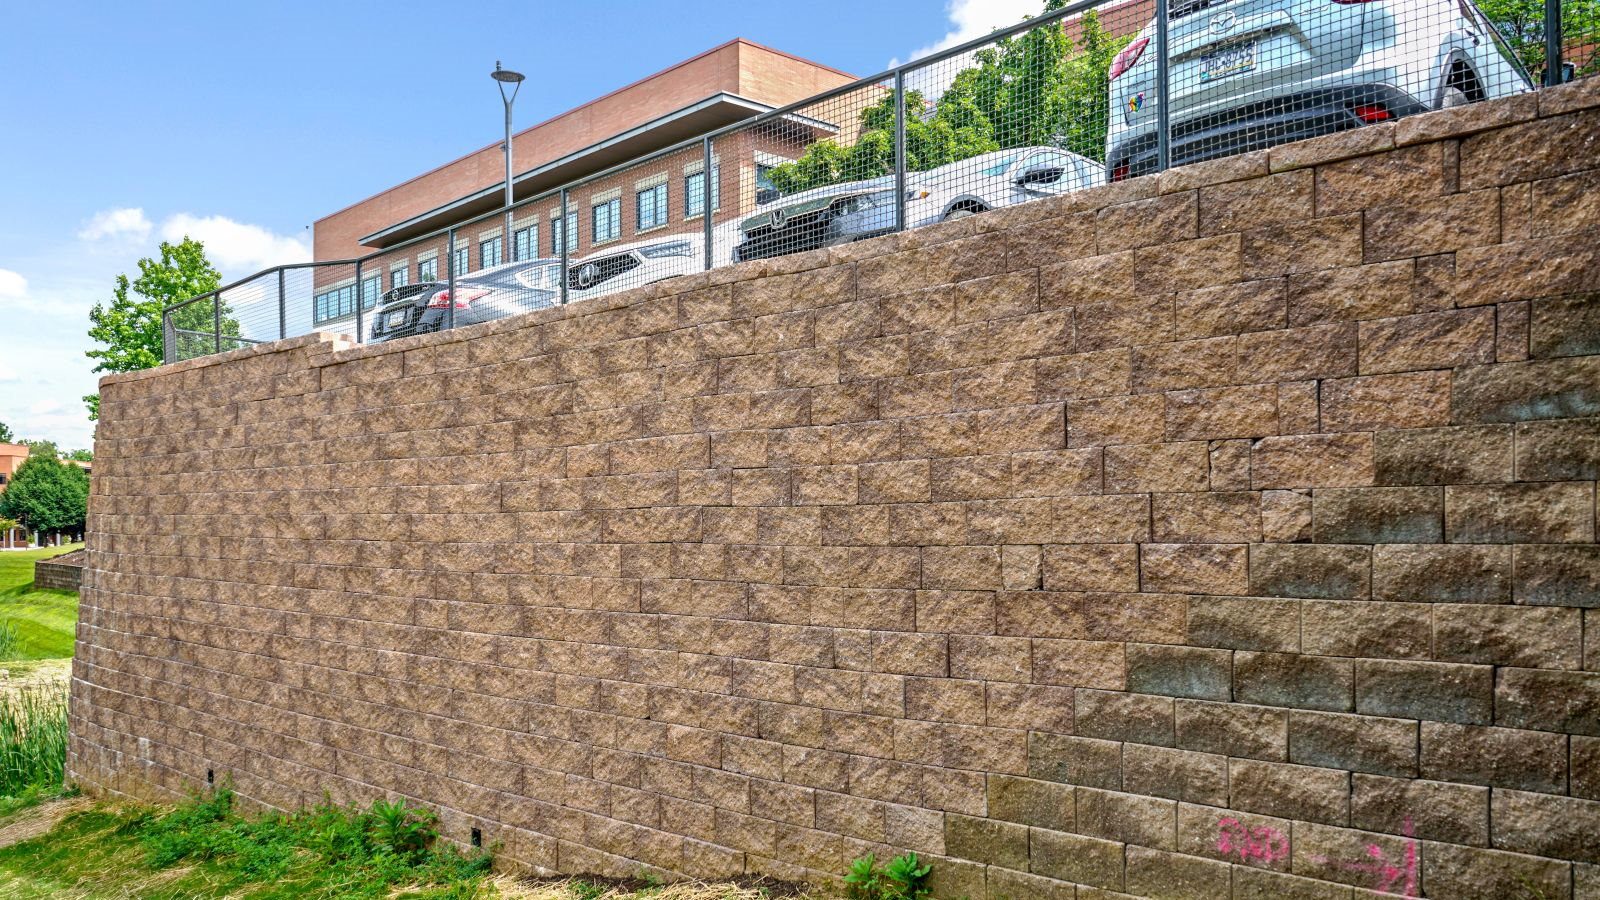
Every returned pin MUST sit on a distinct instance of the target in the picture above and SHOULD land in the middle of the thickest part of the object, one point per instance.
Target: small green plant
(402, 830)
(586, 890)
(904, 878)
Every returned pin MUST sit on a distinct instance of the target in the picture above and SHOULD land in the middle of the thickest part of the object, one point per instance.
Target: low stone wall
(1227, 532)
(62, 573)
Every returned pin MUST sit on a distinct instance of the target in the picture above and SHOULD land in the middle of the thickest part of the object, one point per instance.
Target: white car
(613, 269)
(1247, 74)
(856, 210)
(994, 180)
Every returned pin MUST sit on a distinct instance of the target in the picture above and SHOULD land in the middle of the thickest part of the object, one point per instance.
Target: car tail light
(1125, 60)
(1370, 113)
(464, 298)
(1119, 172)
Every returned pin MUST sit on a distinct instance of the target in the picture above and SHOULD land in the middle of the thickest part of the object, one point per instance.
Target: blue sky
(241, 123)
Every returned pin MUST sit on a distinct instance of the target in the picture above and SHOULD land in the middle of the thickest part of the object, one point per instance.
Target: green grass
(205, 851)
(44, 620)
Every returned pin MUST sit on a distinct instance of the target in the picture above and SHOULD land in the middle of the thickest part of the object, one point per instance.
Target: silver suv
(1247, 74)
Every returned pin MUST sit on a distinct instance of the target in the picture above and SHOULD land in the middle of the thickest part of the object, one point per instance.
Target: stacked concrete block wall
(1223, 533)
(61, 573)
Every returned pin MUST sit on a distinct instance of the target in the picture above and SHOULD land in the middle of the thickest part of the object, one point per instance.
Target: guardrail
(1087, 93)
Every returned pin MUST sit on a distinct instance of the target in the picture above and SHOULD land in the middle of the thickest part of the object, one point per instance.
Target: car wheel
(955, 214)
(1453, 97)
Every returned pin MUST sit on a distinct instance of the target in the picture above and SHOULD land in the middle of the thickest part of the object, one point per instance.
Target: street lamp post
(504, 77)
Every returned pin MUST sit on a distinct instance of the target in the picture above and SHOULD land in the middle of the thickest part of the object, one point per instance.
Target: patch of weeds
(33, 739)
(587, 890)
(205, 849)
(904, 878)
(10, 641)
(31, 797)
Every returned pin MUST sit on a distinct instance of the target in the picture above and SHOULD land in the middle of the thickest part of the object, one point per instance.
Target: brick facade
(1223, 533)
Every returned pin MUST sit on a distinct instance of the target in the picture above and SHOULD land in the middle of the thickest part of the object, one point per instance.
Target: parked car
(482, 296)
(993, 180)
(1248, 74)
(614, 269)
(856, 210)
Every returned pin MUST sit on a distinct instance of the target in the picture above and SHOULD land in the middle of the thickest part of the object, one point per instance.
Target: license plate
(394, 319)
(1229, 60)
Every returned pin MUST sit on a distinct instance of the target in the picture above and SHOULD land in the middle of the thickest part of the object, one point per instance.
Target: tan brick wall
(1229, 532)
(63, 573)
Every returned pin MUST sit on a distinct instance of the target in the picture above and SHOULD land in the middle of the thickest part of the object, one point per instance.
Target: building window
(694, 192)
(489, 252)
(461, 263)
(652, 207)
(607, 222)
(556, 233)
(335, 304)
(399, 278)
(371, 289)
(525, 242)
(428, 269)
(763, 177)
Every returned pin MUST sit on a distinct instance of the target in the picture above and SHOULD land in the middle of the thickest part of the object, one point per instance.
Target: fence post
(705, 198)
(1163, 120)
(566, 251)
(1552, 43)
(360, 301)
(900, 149)
(283, 312)
(450, 281)
(216, 321)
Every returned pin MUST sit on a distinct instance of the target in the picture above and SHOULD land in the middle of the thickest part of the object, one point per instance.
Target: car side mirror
(1041, 174)
(766, 195)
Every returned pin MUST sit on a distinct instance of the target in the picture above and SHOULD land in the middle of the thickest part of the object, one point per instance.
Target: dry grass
(511, 888)
(33, 822)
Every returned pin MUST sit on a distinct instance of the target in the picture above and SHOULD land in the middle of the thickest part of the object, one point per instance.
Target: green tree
(1038, 88)
(42, 448)
(1521, 23)
(80, 455)
(130, 327)
(6, 436)
(930, 141)
(47, 495)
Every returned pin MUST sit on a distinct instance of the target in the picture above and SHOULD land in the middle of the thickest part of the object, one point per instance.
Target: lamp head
(505, 76)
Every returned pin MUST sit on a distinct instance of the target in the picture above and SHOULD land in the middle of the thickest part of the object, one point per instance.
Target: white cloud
(236, 247)
(975, 18)
(117, 224)
(8, 372)
(12, 285)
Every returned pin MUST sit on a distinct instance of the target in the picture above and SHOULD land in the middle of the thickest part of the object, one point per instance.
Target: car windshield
(1000, 166)
(540, 278)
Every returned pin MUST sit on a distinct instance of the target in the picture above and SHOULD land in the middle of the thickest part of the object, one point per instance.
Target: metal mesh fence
(1084, 94)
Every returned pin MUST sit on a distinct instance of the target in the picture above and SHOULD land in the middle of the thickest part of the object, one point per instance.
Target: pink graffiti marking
(1261, 842)
(1385, 873)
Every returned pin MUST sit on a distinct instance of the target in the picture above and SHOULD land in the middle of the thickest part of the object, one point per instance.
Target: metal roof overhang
(717, 111)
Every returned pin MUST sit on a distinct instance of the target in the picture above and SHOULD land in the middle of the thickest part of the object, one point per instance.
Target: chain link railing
(1085, 94)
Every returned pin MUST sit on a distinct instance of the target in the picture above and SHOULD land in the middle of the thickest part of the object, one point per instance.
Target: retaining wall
(1228, 532)
(62, 573)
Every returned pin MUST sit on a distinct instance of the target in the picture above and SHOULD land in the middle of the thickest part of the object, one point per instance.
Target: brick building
(735, 81)
(11, 457)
